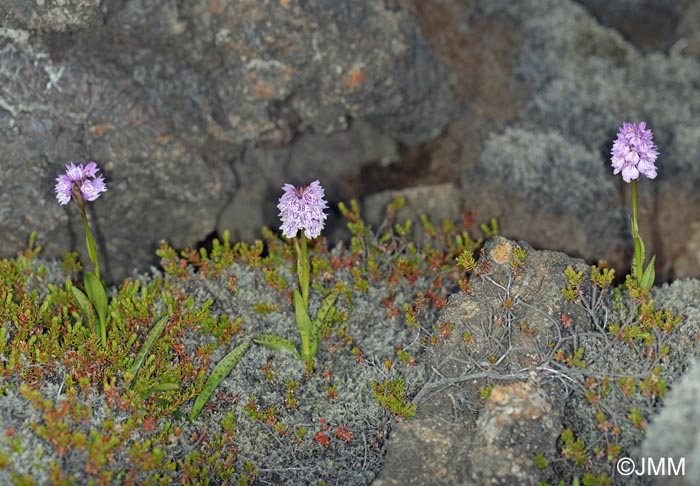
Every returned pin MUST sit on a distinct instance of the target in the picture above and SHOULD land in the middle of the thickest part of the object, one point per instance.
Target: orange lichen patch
(497, 395)
(215, 7)
(99, 130)
(355, 78)
(163, 139)
(262, 91)
(501, 254)
(241, 49)
(284, 3)
(505, 393)
(216, 131)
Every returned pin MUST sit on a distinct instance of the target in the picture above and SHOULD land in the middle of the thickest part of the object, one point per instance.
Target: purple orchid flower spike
(634, 152)
(85, 180)
(301, 208)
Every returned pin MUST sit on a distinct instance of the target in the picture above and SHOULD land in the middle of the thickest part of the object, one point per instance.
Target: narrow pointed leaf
(220, 372)
(159, 388)
(649, 275)
(91, 246)
(315, 336)
(323, 312)
(275, 343)
(146, 348)
(322, 317)
(638, 258)
(304, 324)
(96, 294)
(83, 302)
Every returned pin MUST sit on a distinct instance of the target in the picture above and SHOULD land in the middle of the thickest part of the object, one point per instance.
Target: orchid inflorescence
(301, 209)
(79, 183)
(634, 152)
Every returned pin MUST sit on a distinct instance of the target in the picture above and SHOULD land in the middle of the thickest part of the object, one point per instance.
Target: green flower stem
(303, 268)
(93, 284)
(638, 260)
(634, 207)
(644, 276)
(90, 241)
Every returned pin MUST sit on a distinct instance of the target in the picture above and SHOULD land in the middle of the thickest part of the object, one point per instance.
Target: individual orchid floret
(634, 152)
(85, 179)
(302, 209)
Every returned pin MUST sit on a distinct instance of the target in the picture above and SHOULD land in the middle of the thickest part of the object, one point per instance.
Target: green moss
(392, 396)
(262, 308)
(540, 461)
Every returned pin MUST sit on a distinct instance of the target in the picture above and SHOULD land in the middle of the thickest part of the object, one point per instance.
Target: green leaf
(304, 324)
(83, 302)
(159, 388)
(326, 305)
(276, 343)
(322, 316)
(146, 348)
(220, 372)
(639, 258)
(649, 275)
(180, 415)
(96, 294)
(91, 246)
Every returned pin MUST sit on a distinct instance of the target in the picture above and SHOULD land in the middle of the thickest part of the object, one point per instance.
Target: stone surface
(683, 298)
(51, 15)
(438, 202)
(464, 432)
(262, 172)
(458, 437)
(556, 182)
(648, 24)
(675, 432)
(492, 443)
(652, 25)
(169, 98)
(517, 422)
(551, 69)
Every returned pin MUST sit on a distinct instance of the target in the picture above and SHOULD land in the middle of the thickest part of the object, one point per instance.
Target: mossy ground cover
(73, 411)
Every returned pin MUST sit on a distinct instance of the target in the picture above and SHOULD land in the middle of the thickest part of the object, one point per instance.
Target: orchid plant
(302, 212)
(634, 154)
(84, 184)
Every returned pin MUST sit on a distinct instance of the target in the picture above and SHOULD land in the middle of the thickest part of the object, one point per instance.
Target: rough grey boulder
(51, 15)
(497, 395)
(552, 70)
(169, 98)
(438, 202)
(492, 443)
(559, 183)
(675, 432)
(652, 25)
